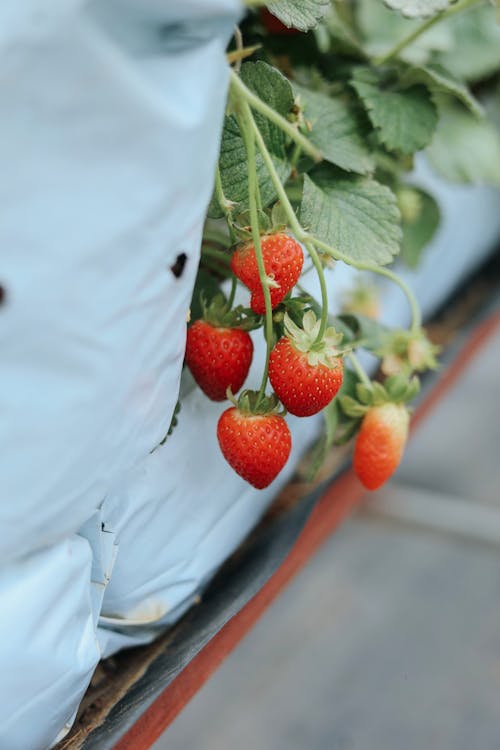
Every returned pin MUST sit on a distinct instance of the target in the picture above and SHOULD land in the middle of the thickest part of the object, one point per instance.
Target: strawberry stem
(242, 92)
(294, 224)
(324, 292)
(358, 369)
(225, 205)
(416, 317)
(247, 130)
(424, 26)
(297, 151)
(238, 38)
(232, 293)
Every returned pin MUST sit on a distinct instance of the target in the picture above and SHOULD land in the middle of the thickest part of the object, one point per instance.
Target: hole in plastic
(177, 268)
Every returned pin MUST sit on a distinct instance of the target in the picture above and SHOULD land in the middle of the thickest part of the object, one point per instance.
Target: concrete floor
(390, 638)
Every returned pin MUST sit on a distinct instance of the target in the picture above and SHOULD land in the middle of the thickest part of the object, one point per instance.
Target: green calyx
(404, 352)
(270, 221)
(249, 403)
(219, 315)
(397, 389)
(326, 351)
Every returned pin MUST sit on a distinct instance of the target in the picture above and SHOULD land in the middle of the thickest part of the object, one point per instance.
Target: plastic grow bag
(111, 118)
(48, 643)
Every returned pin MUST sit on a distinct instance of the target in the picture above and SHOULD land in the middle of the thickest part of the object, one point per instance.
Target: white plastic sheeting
(48, 646)
(110, 124)
(107, 165)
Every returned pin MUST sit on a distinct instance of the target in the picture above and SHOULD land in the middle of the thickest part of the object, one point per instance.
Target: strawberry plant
(317, 153)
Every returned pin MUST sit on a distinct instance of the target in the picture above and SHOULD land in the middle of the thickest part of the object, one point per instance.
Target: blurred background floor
(390, 638)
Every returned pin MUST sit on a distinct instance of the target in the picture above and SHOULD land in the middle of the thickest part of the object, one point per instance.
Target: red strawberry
(306, 375)
(218, 350)
(380, 443)
(274, 25)
(256, 446)
(218, 358)
(283, 261)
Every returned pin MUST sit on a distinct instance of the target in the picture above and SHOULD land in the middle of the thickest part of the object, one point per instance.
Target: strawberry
(273, 25)
(283, 261)
(380, 443)
(306, 375)
(218, 353)
(255, 442)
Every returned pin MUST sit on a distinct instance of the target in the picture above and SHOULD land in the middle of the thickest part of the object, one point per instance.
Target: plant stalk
(245, 122)
(232, 293)
(358, 369)
(424, 26)
(243, 92)
(224, 203)
(416, 317)
(294, 225)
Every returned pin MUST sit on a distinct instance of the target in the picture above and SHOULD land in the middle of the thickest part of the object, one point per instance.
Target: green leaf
(464, 148)
(442, 81)
(418, 232)
(475, 50)
(269, 84)
(275, 90)
(234, 171)
(351, 407)
(413, 389)
(417, 8)
(299, 14)
(405, 119)
(364, 393)
(379, 393)
(336, 130)
(397, 387)
(357, 216)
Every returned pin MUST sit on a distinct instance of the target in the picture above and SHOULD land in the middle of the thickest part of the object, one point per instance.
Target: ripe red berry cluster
(305, 370)
(305, 374)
